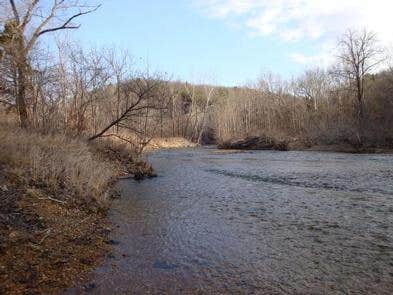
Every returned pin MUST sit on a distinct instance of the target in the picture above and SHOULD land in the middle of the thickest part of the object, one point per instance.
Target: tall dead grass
(56, 162)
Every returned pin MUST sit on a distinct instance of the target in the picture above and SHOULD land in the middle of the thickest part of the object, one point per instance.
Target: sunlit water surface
(260, 222)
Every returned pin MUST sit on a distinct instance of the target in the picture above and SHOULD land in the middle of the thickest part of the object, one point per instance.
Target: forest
(97, 93)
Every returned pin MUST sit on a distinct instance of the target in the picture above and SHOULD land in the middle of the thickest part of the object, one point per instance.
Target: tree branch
(67, 25)
(15, 11)
(7, 103)
(29, 13)
(40, 29)
(121, 138)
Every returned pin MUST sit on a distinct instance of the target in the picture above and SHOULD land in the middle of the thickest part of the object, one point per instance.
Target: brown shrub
(56, 162)
(124, 156)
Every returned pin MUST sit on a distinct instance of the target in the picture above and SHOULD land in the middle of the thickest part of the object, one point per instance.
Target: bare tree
(359, 57)
(312, 85)
(209, 91)
(139, 95)
(28, 22)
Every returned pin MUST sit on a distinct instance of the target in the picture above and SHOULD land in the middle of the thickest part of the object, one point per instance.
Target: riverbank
(293, 144)
(169, 143)
(55, 192)
(47, 242)
(347, 148)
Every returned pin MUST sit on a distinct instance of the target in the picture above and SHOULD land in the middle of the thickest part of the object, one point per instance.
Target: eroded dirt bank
(54, 195)
(46, 244)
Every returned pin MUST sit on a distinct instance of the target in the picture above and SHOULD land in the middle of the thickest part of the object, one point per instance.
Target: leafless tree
(359, 56)
(29, 20)
(312, 85)
(140, 95)
(208, 91)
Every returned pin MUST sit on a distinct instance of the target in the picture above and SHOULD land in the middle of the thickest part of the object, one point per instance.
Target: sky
(231, 42)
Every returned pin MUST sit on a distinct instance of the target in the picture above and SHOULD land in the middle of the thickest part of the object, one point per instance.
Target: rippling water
(261, 222)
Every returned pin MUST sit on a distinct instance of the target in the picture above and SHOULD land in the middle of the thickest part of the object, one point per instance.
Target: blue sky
(228, 42)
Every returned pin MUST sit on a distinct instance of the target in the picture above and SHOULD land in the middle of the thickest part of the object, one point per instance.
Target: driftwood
(255, 143)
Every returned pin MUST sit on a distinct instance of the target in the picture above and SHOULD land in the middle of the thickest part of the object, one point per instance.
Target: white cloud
(304, 20)
(323, 59)
(303, 59)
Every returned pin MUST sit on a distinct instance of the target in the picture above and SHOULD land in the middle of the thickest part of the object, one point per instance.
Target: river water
(254, 222)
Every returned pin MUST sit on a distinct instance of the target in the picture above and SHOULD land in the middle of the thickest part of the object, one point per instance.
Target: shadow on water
(253, 223)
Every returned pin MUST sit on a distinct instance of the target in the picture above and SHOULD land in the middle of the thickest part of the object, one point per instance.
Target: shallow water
(254, 223)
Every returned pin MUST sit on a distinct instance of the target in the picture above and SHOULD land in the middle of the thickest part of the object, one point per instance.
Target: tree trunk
(21, 96)
(22, 67)
(360, 113)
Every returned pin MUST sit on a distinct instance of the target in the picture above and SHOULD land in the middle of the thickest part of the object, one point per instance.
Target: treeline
(351, 102)
(98, 93)
(317, 109)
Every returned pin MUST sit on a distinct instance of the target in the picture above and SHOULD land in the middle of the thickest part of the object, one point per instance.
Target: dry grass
(53, 191)
(169, 143)
(128, 161)
(56, 162)
(136, 146)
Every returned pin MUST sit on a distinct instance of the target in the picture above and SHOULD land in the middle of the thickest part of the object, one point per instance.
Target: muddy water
(254, 223)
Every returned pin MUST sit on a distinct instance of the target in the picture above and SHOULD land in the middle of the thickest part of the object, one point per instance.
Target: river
(253, 222)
